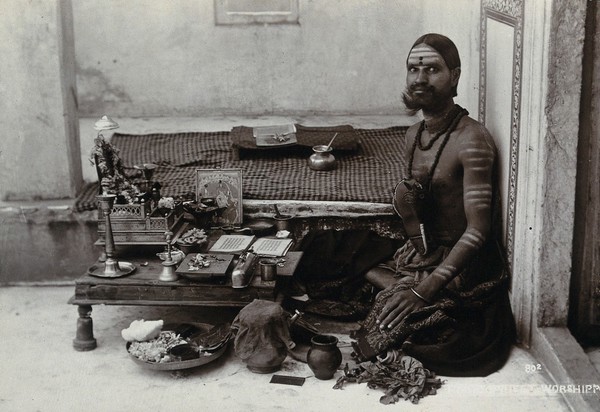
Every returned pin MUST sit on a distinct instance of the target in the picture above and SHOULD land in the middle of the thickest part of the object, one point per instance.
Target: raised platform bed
(46, 242)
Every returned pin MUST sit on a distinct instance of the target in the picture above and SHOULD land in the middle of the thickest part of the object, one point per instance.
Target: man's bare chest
(437, 166)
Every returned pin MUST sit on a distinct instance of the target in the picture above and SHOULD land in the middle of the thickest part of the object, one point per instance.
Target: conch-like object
(105, 123)
(142, 330)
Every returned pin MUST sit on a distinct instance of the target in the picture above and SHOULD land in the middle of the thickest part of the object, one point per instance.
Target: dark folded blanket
(347, 139)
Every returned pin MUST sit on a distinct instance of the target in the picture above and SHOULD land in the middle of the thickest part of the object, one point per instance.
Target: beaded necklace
(434, 124)
(448, 130)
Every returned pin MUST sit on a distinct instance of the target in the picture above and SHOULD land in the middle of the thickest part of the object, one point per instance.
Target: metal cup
(268, 269)
(282, 222)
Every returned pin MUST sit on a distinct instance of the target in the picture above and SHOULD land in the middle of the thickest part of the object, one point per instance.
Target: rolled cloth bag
(262, 336)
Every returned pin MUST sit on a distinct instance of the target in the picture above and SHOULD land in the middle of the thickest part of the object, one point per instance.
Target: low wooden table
(143, 288)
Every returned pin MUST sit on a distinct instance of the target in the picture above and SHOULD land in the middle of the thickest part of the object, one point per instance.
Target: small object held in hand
(288, 380)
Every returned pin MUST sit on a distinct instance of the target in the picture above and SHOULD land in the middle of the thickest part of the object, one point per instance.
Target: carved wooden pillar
(84, 337)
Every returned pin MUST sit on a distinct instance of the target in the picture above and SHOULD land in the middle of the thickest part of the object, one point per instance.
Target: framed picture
(225, 187)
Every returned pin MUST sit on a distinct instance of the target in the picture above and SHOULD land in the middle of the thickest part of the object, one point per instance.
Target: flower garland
(111, 175)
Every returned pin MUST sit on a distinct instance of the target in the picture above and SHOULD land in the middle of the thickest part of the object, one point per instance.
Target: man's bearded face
(429, 81)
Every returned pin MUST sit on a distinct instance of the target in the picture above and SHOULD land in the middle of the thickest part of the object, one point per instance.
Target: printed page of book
(232, 243)
(271, 247)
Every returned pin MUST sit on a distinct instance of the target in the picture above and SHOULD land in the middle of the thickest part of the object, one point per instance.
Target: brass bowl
(176, 255)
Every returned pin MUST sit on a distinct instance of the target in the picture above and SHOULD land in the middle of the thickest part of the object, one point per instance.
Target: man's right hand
(397, 307)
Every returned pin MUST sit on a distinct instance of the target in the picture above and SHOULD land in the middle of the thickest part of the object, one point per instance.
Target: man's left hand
(397, 307)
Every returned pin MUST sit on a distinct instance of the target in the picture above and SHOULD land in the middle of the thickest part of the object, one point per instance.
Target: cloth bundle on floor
(262, 336)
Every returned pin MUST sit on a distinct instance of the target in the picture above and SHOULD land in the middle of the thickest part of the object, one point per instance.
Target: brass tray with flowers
(175, 346)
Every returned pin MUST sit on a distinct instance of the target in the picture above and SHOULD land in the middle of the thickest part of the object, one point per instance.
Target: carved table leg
(84, 337)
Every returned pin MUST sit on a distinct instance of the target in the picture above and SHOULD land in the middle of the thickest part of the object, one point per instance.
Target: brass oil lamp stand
(112, 267)
(168, 273)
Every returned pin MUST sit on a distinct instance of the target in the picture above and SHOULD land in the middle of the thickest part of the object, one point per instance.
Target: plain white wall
(460, 21)
(39, 141)
(139, 58)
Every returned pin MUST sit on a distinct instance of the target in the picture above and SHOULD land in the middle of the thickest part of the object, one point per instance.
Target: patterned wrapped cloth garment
(467, 331)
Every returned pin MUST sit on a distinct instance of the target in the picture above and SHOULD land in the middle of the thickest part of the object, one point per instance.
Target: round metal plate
(125, 268)
(185, 364)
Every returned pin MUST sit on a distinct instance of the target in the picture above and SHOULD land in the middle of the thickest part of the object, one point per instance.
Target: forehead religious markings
(422, 52)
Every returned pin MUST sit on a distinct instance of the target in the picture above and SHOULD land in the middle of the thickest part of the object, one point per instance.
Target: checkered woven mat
(367, 175)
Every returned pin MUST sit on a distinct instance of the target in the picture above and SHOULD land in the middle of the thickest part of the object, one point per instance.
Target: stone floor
(42, 372)
(593, 353)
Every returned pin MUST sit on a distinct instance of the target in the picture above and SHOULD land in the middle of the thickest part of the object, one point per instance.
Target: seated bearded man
(444, 299)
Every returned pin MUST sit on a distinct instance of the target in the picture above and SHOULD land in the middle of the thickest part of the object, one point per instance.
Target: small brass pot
(322, 159)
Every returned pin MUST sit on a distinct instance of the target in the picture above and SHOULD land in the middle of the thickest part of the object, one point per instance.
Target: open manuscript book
(280, 135)
(261, 247)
